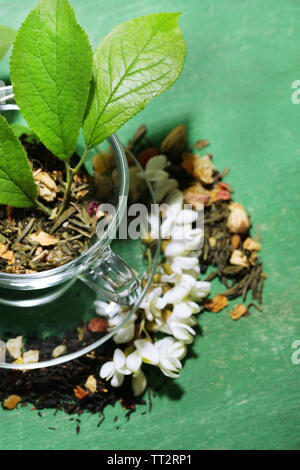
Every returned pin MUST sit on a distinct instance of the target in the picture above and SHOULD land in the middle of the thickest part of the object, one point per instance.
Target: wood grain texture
(239, 388)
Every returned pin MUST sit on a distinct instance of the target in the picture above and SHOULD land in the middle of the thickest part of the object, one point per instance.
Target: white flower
(183, 240)
(116, 369)
(126, 333)
(170, 353)
(180, 322)
(117, 315)
(165, 354)
(185, 265)
(149, 304)
(185, 286)
(161, 183)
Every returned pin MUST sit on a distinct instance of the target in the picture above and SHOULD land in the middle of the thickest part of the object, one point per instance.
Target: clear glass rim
(80, 263)
(96, 344)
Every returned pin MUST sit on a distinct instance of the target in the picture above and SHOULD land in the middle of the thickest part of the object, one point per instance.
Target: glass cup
(111, 279)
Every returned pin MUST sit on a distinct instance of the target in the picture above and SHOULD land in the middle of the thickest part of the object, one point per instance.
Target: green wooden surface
(239, 389)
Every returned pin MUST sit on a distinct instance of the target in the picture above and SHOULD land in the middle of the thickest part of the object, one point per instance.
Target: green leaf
(17, 186)
(51, 67)
(7, 35)
(137, 61)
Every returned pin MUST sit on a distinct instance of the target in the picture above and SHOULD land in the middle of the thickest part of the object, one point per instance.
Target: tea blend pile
(229, 253)
(32, 242)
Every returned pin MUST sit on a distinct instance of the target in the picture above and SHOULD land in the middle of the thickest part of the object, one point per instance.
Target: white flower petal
(117, 380)
(158, 162)
(125, 334)
(119, 359)
(107, 370)
(134, 361)
(139, 383)
(147, 351)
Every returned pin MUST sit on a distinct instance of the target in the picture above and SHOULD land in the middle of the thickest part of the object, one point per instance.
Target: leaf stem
(81, 161)
(69, 180)
(43, 208)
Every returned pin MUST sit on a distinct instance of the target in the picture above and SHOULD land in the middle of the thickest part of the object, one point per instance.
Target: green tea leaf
(7, 35)
(17, 186)
(137, 61)
(51, 67)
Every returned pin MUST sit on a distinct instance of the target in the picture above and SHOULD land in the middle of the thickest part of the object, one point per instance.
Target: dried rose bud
(174, 144)
(196, 194)
(238, 221)
(146, 155)
(98, 325)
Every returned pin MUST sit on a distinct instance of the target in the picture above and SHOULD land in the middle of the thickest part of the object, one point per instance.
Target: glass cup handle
(113, 279)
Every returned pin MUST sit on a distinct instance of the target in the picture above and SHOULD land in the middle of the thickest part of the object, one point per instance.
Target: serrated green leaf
(7, 35)
(137, 61)
(51, 67)
(17, 186)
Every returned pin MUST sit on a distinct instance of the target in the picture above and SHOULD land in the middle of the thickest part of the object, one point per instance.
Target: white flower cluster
(170, 311)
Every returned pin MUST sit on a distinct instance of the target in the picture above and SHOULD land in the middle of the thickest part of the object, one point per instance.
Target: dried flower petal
(11, 402)
(42, 238)
(216, 304)
(196, 194)
(238, 312)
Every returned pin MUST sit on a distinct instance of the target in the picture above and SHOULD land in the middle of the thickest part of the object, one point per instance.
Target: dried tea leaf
(216, 304)
(201, 144)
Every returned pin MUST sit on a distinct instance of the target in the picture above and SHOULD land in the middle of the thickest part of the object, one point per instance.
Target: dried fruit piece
(216, 304)
(59, 350)
(98, 325)
(80, 393)
(31, 356)
(46, 185)
(201, 168)
(14, 346)
(251, 245)
(238, 221)
(42, 238)
(238, 312)
(11, 402)
(6, 254)
(235, 241)
(239, 258)
(91, 384)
